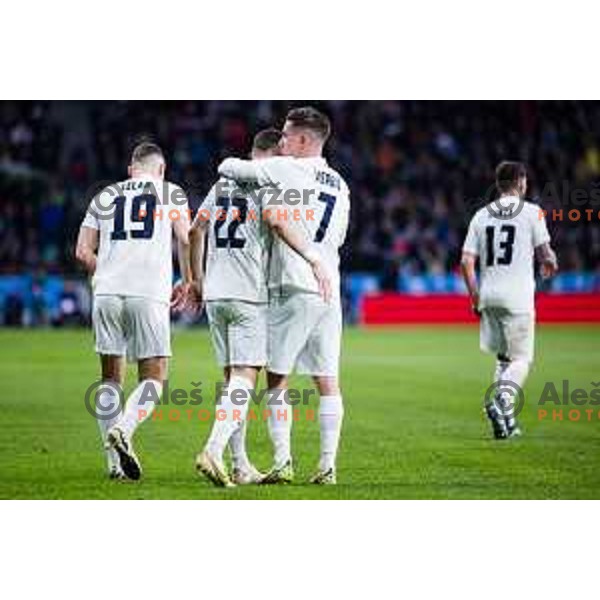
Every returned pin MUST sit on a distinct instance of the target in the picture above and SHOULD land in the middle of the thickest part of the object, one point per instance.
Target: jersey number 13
(505, 245)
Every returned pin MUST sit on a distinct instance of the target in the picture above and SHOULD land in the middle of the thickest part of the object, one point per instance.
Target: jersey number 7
(324, 224)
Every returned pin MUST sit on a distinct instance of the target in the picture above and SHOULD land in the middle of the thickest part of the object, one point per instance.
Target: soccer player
(128, 252)
(235, 291)
(304, 330)
(505, 236)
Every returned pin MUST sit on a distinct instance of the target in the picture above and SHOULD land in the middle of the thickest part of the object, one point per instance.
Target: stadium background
(413, 426)
(417, 172)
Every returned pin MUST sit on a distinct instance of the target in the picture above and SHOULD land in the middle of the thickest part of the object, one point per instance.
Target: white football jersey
(238, 243)
(320, 205)
(134, 219)
(505, 247)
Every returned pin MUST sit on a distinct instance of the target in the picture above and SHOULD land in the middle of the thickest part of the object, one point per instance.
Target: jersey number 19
(145, 216)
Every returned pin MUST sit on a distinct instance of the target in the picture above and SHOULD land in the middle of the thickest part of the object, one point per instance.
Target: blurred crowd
(417, 170)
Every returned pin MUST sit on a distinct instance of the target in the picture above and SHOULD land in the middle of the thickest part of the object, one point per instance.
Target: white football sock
(237, 445)
(331, 413)
(234, 405)
(516, 372)
(107, 414)
(140, 404)
(280, 427)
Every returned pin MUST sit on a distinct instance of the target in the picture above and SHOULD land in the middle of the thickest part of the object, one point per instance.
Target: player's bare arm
(181, 229)
(467, 267)
(197, 241)
(547, 258)
(85, 251)
(300, 244)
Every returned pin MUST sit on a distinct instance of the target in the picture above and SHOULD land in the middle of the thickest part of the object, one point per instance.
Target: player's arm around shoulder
(264, 171)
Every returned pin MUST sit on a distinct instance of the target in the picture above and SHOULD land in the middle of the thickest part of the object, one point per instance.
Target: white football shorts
(131, 325)
(305, 334)
(507, 333)
(239, 332)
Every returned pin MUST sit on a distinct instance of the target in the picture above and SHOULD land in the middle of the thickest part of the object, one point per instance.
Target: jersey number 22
(231, 241)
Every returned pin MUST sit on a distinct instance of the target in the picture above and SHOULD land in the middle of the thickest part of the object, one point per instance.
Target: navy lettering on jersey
(328, 179)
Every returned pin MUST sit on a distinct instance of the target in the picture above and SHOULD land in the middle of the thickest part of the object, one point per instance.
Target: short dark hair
(508, 174)
(144, 150)
(266, 139)
(308, 117)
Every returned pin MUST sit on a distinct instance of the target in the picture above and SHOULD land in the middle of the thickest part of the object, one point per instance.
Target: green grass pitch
(413, 428)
